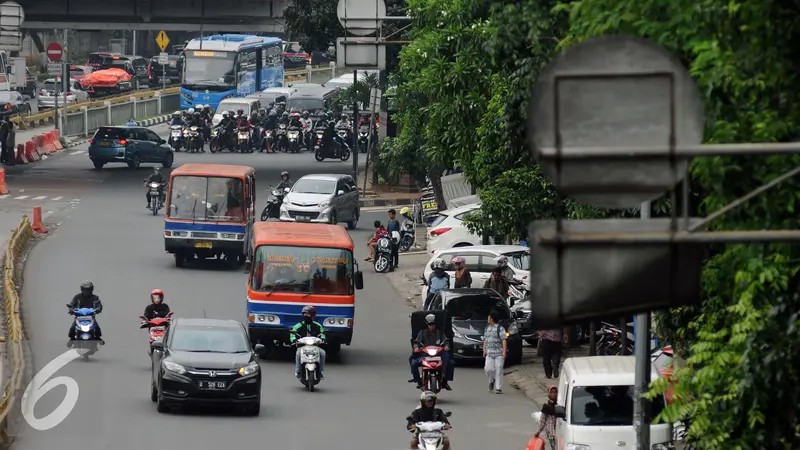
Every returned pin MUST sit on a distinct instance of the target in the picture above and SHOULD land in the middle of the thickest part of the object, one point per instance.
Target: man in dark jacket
(157, 307)
(431, 337)
(427, 412)
(87, 299)
(155, 177)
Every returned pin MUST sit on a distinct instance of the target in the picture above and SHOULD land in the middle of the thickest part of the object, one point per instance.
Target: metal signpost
(614, 123)
(374, 98)
(163, 59)
(54, 53)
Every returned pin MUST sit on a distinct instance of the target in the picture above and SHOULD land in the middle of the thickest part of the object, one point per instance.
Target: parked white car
(448, 230)
(480, 260)
(47, 93)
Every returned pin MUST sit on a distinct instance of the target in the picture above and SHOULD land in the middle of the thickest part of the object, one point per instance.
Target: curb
(386, 202)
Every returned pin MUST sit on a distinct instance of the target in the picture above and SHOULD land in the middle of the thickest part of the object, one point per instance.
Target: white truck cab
(595, 398)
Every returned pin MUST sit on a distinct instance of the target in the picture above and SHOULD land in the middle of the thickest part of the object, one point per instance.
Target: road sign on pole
(162, 40)
(54, 52)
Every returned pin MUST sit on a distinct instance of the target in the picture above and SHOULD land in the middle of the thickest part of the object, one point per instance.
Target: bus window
(311, 270)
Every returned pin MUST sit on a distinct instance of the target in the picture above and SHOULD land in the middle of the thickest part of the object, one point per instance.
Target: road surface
(111, 239)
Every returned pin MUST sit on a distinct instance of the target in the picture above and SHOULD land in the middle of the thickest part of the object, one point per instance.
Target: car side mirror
(448, 414)
(163, 141)
(157, 345)
(359, 280)
(259, 348)
(560, 412)
(286, 190)
(340, 192)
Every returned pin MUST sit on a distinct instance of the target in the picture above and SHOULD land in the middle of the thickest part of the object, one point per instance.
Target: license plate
(303, 218)
(156, 328)
(211, 385)
(202, 245)
(84, 318)
(176, 133)
(105, 144)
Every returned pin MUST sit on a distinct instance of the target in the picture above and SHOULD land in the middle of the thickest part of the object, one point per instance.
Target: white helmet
(206, 106)
(501, 260)
(190, 111)
(438, 263)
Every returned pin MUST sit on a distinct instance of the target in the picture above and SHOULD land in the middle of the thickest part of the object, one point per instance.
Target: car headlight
(173, 367)
(248, 370)
(512, 329)
(286, 200)
(457, 334)
(324, 204)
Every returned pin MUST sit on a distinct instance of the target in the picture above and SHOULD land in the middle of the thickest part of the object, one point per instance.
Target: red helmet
(157, 292)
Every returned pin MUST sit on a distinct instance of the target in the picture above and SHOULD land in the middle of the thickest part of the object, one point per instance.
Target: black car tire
(161, 405)
(153, 393)
(179, 259)
(98, 164)
(168, 160)
(134, 162)
(516, 356)
(354, 223)
(253, 409)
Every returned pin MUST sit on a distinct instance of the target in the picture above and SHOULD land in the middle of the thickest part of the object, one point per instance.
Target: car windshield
(305, 104)
(311, 186)
(209, 68)
(292, 47)
(208, 339)
(606, 405)
(111, 133)
(234, 106)
(311, 270)
(476, 307)
(6, 96)
(96, 59)
(520, 260)
(215, 199)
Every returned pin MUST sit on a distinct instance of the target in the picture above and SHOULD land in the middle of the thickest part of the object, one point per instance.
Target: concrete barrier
(15, 335)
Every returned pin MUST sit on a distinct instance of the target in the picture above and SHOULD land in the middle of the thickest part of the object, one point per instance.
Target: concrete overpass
(210, 16)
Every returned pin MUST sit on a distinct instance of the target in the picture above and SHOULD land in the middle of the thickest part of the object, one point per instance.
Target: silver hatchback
(324, 198)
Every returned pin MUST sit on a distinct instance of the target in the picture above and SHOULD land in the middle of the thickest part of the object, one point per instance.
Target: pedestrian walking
(392, 226)
(547, 423)
(550, 342)
(463, 277)
(3, 137)
(9, 144)
(495, 347)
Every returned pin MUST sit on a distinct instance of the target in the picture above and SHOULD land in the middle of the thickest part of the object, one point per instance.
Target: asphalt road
(110, 238)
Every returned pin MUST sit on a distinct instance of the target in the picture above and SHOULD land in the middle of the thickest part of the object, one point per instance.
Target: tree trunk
(435, 175)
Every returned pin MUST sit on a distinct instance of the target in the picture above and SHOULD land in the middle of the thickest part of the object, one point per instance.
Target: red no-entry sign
(55, 52)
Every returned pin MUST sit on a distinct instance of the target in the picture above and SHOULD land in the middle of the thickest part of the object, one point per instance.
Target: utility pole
(641, 342)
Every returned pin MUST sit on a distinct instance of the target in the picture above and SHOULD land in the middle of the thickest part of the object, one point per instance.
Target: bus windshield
(213, 199)
(307, 270)
(206, 68)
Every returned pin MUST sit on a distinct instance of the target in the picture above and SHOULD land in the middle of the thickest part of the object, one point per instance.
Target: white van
(595, 398)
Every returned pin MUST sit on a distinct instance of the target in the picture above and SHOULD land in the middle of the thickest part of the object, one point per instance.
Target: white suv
(448, 230)
(480, 260)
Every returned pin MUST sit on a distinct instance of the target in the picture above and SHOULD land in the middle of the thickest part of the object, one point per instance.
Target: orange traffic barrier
(536, 443)
(57, 140)
(38, 224)
(38, 146)
(3, 185)
(30, 152)
(20, 159)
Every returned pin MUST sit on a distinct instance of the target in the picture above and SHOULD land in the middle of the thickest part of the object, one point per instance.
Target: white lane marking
(21, 197)
(75, 200)
(41, 197)
(2, 197)
(78, 152)
(57, 198)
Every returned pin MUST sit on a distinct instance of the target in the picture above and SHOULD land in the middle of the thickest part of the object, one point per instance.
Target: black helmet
(240, 112)
(306, 113)
(309, 312)
(376, 224)
(285, 174)
(285, 114)
(273, 113)
(87, 287)
(425, 397)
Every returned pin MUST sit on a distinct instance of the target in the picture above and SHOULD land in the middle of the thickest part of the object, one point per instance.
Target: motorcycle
(176, 137)
(156, 197)
(194, 141)
(157, 327)
(266, 141)
(407, 235)
(243, 140)
(293, 137)
(309, 361)
(383, 255)
(273, 206)
(363, 138)
(281, 142)
(430, 434)
(432, 369)
(85, 328)
(342, 152)
(214, 142)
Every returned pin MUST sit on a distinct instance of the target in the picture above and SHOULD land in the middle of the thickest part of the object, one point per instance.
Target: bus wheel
(334, 351)
(179, 259)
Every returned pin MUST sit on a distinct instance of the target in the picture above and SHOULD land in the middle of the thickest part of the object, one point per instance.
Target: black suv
(172, 71)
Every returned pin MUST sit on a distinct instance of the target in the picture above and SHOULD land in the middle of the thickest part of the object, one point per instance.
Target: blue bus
(229, 65)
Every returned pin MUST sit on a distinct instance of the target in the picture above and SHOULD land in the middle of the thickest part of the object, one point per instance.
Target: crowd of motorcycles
(291, 133)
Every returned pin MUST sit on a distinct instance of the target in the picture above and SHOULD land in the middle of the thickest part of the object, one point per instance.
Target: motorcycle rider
(155, 177)
(285, 182)
(427, 412)
(308, 126)
(380, 232)
(157, 307)
(308, 327)
(438, 280)
(502, 264)
(296, 124)
(330, 141)
(177, 119)
(344, 122)
(431, 337)
(285, 118)
(87, 299)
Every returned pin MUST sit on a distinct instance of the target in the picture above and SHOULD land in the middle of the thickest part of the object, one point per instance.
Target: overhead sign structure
(54, 52)
(11, 18)
(162, 40)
